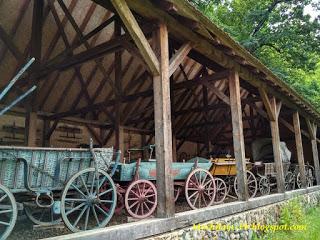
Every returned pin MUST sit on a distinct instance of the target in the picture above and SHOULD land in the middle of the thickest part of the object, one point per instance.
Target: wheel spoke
(76, 199)
(80, 216)
(109, 190)
(193, 194)
(195, 200)
(106, 201)
(75, 187)
(3, 197)
(6, 211)
(95, 215)
(133, 204)
(103, 211)
(84, 184)
(75, 209)
(5, 223)
(87, 218)
(152, 195)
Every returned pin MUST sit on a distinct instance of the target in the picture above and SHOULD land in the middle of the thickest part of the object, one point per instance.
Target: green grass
(310, 218)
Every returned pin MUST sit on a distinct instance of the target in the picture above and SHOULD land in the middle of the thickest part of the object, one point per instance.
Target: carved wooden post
(237, 131)
(273, 111)
(312, 127)
(297, 133)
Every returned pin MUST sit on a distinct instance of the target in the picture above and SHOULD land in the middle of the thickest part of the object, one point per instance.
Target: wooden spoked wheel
(177, 191)
(264, 186)
(252, 185)
(200, 189)
(289, 181)
(221, 191)
(8, 212)
(82, 200)
(41, 216)
(120, 200)
(309, 180)
(141, 199)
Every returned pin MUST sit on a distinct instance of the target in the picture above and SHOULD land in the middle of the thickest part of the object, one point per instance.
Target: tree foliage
(279, 33)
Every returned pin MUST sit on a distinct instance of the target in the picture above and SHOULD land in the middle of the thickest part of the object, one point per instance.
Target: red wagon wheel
(141, 199)
(200, 189)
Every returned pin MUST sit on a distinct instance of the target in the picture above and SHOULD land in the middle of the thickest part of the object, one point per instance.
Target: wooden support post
(31, 129)
(237, 131)
(205, 116)
(174, 148)
(45, 137)
(274, 126)
(312, 127)
(119, 135)
(163, 130)
(299, 147)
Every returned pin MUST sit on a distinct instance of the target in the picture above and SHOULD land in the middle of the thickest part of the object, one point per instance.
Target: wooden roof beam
(179, 57)
(137, 35)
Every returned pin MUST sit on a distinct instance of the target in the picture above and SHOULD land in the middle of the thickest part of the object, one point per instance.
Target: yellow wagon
(225, 168)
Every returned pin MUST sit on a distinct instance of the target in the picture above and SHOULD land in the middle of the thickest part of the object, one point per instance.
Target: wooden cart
(225, 168)
(136, 184)
(50, 183)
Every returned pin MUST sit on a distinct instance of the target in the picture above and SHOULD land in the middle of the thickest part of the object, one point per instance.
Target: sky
(311, 10)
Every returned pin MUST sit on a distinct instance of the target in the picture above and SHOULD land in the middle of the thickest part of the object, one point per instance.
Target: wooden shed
(135, 72)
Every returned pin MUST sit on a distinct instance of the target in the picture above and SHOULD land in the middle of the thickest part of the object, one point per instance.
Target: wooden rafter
(137, 35)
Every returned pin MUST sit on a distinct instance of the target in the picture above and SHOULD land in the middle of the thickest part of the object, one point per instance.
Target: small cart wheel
(222, 190)
(200, 189)
(252, 185)
(141, 199)
(41, 216)
(177, 191)
(289, 181)
(264, 186)
(82, 198)
(8, 212)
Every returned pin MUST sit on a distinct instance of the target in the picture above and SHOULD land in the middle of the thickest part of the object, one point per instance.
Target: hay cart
(225, 169)
(55, 183)
(136, 184)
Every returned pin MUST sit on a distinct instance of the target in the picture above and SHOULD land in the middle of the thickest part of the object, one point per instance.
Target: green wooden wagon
(137, 192)
(50, 183)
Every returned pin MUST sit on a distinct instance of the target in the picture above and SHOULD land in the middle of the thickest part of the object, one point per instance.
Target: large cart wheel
(8, 212)
(200, 189)
(264, 186)
(82, 198)
(222, 190)
(252, 185)
(41, 216)
(289, 181)
(141, 199)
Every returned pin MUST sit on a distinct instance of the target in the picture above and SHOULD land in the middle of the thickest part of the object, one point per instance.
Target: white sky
(311, 10)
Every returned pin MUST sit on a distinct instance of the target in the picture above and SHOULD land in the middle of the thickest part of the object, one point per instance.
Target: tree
(278, 33)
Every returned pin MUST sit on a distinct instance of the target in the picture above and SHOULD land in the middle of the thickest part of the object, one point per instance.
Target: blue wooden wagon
(55, 183)
(136, 184)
